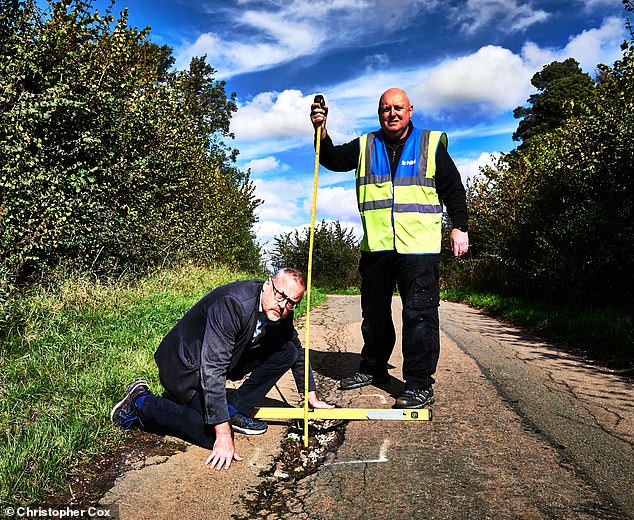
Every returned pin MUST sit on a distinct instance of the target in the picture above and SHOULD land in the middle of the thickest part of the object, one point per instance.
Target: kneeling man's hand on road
(224, 451)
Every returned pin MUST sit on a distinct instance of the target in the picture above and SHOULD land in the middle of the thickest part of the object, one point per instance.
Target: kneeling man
(240, 328)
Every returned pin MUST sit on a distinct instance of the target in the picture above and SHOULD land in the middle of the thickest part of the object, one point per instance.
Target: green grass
(605, 334)
(350, 291)
(60, 376)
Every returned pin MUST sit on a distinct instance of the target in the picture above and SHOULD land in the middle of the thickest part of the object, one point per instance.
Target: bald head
(395, 112)
(391, 93)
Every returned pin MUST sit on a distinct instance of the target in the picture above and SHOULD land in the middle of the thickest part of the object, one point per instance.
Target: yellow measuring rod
(350, 414)
(322, 102)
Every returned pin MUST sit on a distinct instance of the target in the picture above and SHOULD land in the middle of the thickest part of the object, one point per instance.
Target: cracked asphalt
(520, 429)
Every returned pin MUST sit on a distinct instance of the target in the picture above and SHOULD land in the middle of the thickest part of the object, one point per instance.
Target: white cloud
(328, 179)
(496, 79)
(505, 15)
(337, 203)
(470, 168)
(376, 62)
(488, 129)
(287, 206)
(590, 5)
(275, 38)
(491, 78)
(267, 230)
(596, 46)
(273, 115)
(265, 164)
(591, 47)
(282, 199)
(280, 121)
(261, 38)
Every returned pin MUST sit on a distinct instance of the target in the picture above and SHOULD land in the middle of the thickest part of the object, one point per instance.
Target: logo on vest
(408, 163)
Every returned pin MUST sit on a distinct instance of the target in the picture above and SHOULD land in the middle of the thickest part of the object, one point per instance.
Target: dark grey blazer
(207, 343)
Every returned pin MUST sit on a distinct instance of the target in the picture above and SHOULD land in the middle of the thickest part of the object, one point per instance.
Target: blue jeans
(166, 417)
(416, 277)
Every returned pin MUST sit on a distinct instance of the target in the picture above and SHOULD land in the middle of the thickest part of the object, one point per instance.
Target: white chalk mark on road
(382, 456)
(256, 458)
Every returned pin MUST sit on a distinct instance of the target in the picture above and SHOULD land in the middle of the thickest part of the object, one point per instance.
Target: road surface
(520, 429)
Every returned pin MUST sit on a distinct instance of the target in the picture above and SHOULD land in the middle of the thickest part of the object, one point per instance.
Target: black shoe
(247, 425)
(125, 414)
(359, 379)
(415, 398)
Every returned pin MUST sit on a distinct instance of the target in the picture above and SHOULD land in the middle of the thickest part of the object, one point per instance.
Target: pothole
(277, 495)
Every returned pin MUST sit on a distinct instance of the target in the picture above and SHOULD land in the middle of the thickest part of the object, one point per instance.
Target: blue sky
(464, 63)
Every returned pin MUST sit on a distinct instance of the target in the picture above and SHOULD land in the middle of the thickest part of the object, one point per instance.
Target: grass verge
(604, 334)
(62, 373)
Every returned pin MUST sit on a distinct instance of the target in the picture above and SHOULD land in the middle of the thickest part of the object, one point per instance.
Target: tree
(335, 255)
(563, 90)
(111, 161)
(554, 219)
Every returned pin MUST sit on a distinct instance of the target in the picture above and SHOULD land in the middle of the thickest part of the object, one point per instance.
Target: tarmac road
(519, 430)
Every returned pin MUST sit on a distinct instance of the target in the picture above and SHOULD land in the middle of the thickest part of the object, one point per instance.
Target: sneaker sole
(356, 385)
(361, 385)
(246, 431)
(131, 387)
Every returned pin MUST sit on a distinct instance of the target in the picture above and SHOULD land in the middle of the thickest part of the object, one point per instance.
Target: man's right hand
(318, 116)
(224, 450)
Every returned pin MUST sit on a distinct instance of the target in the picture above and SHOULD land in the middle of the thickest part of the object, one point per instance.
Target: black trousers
(416, 277)
(166, 417)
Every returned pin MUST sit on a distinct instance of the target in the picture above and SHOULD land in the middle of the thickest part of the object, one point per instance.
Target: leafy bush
(110, 161)
(335, 256)
(554, 219)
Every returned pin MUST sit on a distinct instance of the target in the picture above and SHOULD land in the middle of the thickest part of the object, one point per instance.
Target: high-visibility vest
(403, 214)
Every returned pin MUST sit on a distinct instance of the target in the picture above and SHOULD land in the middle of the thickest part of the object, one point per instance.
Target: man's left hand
(224, 451)
(459, 242)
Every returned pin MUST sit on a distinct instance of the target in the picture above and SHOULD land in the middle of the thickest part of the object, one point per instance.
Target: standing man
(238, 328)
(403, 176)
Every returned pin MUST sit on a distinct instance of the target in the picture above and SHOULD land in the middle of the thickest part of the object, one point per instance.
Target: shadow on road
(337, 365)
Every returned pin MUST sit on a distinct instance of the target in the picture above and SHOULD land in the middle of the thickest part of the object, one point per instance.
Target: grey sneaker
(247, 425)
(360, 379)
(125, 413)
(415, 398)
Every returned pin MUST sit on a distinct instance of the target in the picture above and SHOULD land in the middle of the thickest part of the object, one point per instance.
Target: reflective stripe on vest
(403, 214)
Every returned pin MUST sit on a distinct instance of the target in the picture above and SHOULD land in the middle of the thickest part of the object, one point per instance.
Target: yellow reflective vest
(402, 214)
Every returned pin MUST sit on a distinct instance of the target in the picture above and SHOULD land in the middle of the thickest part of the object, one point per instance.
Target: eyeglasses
(280, 297)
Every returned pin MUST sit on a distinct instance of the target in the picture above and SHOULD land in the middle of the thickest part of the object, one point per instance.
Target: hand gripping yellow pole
(319, 99)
